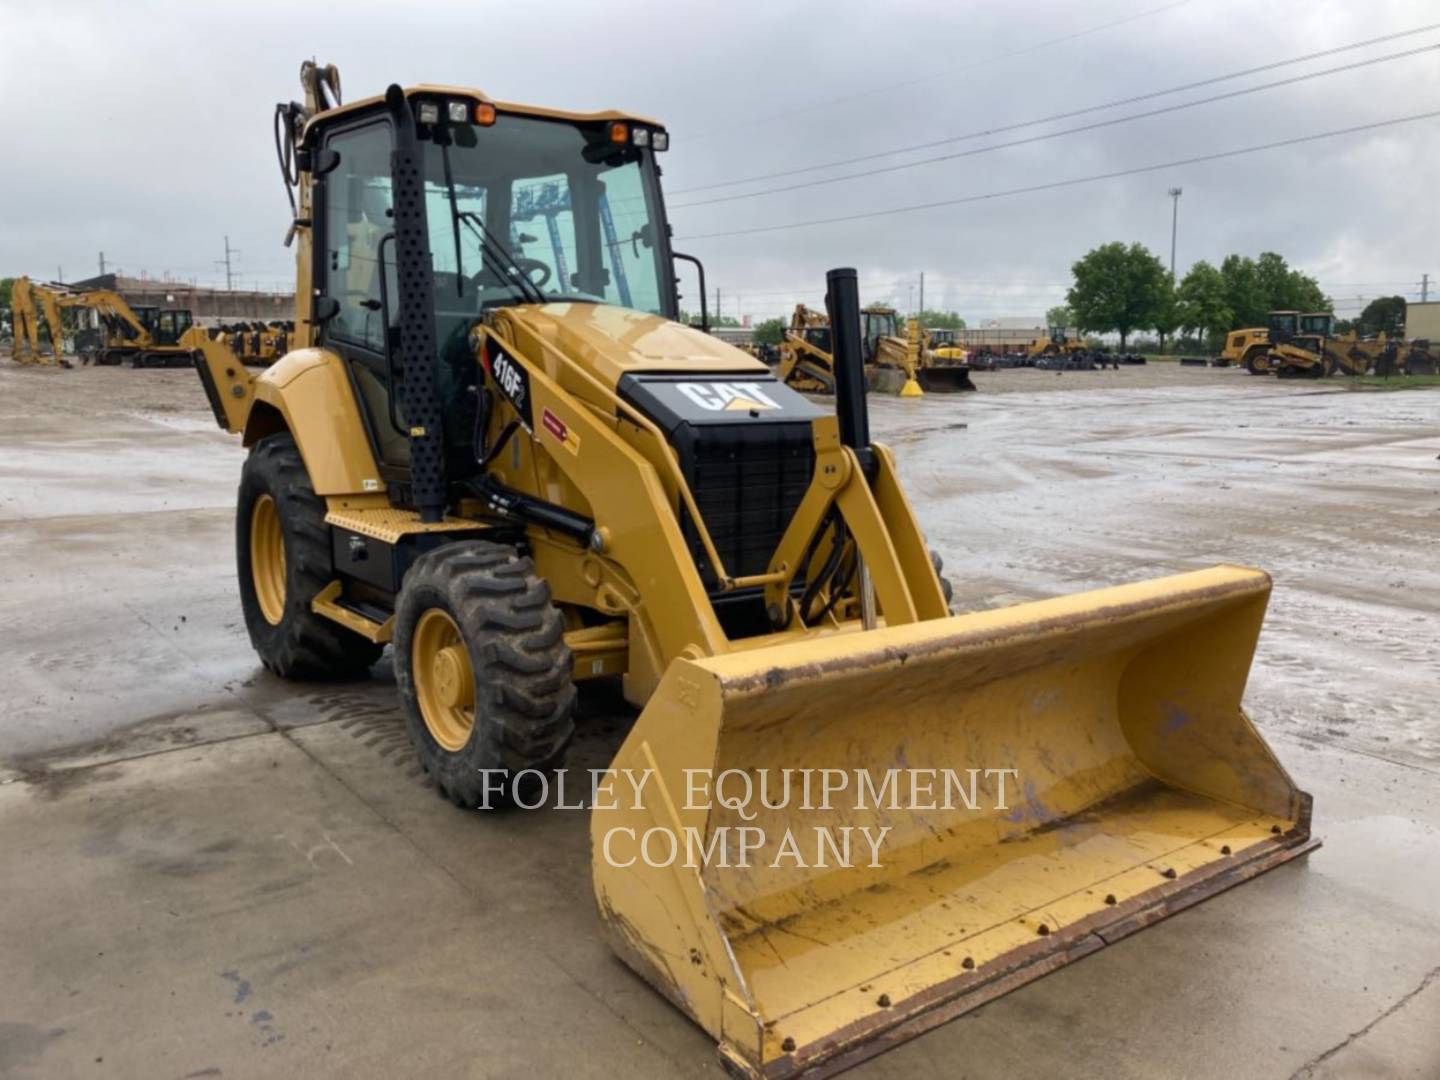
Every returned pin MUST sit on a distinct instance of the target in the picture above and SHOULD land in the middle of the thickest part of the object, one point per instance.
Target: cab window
(357, 217)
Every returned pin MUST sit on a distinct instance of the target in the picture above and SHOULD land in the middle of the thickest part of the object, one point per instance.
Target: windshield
(529, 210)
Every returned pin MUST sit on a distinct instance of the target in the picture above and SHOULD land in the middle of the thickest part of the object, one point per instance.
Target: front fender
(308, 393)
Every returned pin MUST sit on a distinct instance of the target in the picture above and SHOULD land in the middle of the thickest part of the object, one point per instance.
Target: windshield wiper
(501, 257)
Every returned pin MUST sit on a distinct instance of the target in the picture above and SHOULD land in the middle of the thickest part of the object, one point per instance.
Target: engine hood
(612, 342)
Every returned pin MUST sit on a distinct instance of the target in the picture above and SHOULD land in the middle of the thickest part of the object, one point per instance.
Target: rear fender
(308, 393)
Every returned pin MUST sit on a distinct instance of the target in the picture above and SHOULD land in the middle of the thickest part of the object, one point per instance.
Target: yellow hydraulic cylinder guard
(1135, 787)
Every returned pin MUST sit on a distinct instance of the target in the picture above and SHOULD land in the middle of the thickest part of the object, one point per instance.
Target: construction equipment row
(115, 332)
(1305, 345)
(523, 477)
(895, 362)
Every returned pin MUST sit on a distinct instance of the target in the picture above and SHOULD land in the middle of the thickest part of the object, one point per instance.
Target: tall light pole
(1174, 222)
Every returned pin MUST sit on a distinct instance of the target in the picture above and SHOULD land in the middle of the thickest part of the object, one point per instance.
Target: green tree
(1256, 287)
(1119, 289)
(1059, 316)
(692, 318)
(5, 286)
(1243, 295)
(1203, 305)
(1385, 314)
(770, 332)
(941, 320)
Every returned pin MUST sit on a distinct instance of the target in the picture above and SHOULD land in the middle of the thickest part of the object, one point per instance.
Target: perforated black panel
(423, 407)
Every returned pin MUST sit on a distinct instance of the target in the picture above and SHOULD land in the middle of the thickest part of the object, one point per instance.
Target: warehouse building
(207, 305)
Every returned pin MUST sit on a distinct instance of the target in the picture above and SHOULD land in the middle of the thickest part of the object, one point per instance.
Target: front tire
(483, 670)
(282, 549)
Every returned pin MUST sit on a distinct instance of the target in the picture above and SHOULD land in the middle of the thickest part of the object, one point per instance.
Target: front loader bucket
(944, 380)
(1139, 787)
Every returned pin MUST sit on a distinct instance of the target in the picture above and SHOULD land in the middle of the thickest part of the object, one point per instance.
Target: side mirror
(326, 308)
(324, 161)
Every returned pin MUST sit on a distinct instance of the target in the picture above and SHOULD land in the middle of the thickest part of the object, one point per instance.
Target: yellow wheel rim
(267, 559)
(444, 680)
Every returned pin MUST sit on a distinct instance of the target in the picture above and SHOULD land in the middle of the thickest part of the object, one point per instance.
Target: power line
(874, 92)
(1066, 131)
(1070, 182)
(1062, 115)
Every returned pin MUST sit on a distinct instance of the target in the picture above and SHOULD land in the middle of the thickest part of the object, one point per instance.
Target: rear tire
(483, 670)
(282, 550)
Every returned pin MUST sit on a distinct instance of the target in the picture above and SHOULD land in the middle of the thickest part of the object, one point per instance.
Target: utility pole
(59, 273)
(229, 279)
(717, 305)
(1424, 288)
(922, 293)
(1175, 193)
(102, 264)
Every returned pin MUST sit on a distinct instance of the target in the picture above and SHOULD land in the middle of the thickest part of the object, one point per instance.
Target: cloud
(143, 130)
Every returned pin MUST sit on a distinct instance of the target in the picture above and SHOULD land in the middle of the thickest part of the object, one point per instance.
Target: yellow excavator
(136, 335)
(30, 302)
(140, 336)
(520, 477)
(896, 361)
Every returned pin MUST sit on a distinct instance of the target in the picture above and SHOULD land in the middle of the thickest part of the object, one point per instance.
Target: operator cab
(877, 324)
(170, 325)
(520, 206)
(1283, 325)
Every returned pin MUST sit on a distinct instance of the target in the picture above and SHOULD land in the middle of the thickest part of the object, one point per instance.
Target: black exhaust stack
(416, 277)
(842, 301)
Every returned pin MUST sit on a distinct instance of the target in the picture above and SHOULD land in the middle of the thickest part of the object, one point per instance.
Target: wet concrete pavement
(210, 873)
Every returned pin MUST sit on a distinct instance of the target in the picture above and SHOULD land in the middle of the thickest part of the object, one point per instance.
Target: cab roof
(474, 96)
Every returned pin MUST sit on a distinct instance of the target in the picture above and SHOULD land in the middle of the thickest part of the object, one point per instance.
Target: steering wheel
(537, 272)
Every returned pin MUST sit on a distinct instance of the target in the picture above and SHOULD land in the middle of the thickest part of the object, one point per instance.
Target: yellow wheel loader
(521, 477)
(1249, 348)
(895, 362)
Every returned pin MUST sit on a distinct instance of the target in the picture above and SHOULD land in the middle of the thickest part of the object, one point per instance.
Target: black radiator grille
(748, 481)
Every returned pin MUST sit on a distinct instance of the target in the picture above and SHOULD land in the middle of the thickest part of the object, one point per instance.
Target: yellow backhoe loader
(30, 302)
(805, 360)
(895, 362)
(521, 477)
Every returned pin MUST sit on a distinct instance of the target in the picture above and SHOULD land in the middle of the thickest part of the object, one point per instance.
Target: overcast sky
(143, 130)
